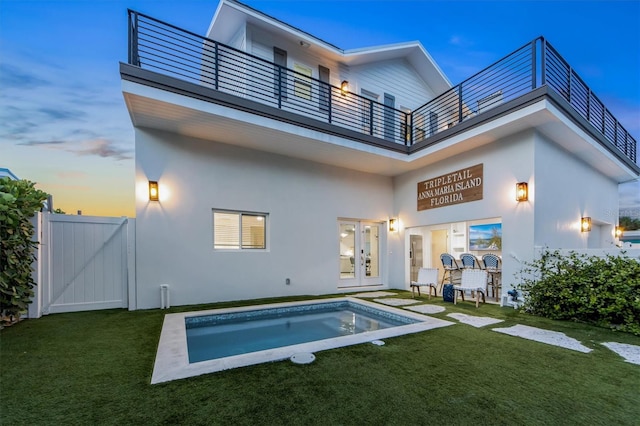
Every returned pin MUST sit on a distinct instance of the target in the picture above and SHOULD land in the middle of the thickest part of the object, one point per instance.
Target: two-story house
(270, 162)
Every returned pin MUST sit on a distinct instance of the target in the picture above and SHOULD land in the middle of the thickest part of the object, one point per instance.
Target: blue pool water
(223, 335)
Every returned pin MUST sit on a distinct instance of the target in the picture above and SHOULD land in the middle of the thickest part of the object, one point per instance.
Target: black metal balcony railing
(166, 49)
(169, 50)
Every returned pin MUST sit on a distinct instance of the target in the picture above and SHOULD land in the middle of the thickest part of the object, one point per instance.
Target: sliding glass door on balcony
(359, 253)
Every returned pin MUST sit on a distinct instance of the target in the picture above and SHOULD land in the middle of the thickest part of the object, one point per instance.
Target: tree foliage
(629, 224)
(19, 201)
(600, 290)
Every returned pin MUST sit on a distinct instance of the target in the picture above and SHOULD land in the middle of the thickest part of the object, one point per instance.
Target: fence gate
(86, 263)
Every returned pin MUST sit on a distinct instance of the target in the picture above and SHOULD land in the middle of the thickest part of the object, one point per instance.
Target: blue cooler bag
(448, 293)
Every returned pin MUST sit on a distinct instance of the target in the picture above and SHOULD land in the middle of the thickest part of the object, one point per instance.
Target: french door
(359, 253)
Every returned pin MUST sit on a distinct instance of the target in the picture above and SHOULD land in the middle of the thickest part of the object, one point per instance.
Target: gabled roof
(231, 15)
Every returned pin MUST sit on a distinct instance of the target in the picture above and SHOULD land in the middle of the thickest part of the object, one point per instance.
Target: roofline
(347, 54)
(265, 17)
(383, 47)
(398, 46)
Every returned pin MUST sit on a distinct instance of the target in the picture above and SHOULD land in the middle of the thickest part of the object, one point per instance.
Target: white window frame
(240, 246)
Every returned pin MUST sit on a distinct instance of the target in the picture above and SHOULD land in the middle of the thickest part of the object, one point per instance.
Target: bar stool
(450, 269)
(493, 265)
(469, 261)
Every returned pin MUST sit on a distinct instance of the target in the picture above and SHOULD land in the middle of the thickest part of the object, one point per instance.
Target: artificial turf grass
(95, 368)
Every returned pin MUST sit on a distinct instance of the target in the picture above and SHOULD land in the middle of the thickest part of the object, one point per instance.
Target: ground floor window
(234, 230)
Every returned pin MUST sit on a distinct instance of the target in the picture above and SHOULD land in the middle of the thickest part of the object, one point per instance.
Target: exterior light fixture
(585, 224)
(522, 191)
(393, 225)
(618, 231)
(344, 87)
(154, 194)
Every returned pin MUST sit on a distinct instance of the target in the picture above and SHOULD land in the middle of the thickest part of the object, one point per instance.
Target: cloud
(84, 132)
(100, 147)
(59, 186)
(41, 143)
(15, 129)
(14, 77)
(455, 40)
(460, 41)
(103, 148)
(71, 175)
(42, 107)
(61, 113)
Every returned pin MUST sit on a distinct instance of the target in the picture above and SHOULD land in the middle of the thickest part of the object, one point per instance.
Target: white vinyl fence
(84, 263)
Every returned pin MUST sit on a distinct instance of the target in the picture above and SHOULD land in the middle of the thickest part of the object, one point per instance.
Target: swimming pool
(220, 335)
(372, 320)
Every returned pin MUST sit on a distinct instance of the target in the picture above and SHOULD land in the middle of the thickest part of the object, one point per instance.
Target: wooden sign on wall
(457, 187)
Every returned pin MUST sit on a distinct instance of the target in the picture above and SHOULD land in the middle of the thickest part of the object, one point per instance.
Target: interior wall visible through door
(438, 246)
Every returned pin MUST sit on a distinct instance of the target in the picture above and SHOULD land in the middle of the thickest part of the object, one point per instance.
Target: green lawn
(95, 368)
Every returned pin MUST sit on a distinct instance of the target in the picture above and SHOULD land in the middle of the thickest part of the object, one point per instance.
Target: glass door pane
(371, 252)
(348, 251)
(359, 260)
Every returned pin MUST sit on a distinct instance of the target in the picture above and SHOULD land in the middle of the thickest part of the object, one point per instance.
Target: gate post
(39, 265)
(131, 265)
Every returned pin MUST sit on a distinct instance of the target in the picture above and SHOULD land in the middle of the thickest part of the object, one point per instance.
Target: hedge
(600, 290)
(19, 201)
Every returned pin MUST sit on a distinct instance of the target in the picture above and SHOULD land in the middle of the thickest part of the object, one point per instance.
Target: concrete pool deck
(172, 359)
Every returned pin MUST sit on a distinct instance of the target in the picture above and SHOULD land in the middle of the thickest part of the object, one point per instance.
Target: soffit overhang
(176, 112)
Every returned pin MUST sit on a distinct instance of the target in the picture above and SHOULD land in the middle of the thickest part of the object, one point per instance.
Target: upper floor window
(302, 82)
(239, 230)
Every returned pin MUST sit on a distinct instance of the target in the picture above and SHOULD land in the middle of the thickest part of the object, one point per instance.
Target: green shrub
(19, 201)
(602, 291)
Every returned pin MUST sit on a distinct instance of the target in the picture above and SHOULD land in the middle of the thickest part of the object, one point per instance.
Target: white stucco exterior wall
(562, 189)
(568, 190)
(506, 162)
(303, 200)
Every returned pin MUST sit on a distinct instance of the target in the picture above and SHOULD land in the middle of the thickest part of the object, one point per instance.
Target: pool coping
(172, 359)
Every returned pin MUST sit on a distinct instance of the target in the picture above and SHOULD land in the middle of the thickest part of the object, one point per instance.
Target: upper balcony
(177, 60)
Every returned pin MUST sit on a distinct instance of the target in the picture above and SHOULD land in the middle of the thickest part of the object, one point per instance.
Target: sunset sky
(64, 124)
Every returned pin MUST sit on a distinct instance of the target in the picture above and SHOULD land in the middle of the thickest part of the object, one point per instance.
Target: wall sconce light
(344, 87)
(522, 191)
(393, 225)
(585, 224)
(618, 231)
(154, 194)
